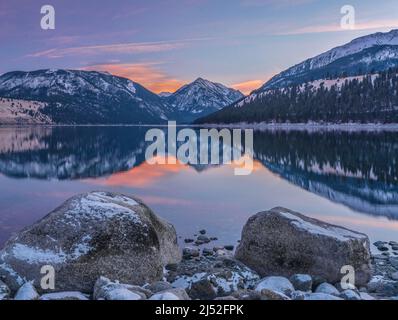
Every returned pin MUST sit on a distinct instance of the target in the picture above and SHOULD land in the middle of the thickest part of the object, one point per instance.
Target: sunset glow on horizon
(164, 45)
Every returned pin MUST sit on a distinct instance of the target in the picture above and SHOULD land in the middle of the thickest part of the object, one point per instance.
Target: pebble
(207, 252)
(301, 282)
(350, 295)
(189, 253)
(327, 288)
(394, 276)
(202, 232)
(229, 248)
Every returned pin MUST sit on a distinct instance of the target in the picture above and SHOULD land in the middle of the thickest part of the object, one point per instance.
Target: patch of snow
(36, 255)
(98, 206)
(335, 232)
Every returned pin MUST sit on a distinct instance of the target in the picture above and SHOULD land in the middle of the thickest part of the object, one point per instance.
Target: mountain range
(353, 82)
(89, 97)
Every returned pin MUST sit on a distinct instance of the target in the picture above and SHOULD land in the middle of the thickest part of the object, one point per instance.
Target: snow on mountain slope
(85, 97)
(200, 98)
(22, 112)
(388, 41)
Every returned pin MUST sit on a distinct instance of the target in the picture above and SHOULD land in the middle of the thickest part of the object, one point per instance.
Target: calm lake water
(346, 178)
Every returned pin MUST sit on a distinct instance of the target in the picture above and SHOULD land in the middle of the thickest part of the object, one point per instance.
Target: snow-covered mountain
(378, 51)
(200, 98)
(85, 97)
(352, 83)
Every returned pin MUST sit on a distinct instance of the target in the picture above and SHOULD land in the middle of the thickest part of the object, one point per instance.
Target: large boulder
(92, 235)
(283, 242)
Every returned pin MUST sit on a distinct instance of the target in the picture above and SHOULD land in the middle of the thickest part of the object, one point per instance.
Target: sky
(163, 44)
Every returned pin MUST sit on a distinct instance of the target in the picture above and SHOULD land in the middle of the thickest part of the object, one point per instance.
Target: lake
(342, 177)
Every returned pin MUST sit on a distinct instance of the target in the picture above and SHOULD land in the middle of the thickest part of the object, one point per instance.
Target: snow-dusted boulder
(276, 284)
(27, 292)
(4, 291)
(92, 235)
(283, 242)
(106, 289)
(69, 296)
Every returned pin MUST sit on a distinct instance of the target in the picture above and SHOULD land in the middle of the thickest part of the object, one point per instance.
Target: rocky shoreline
(106, 246)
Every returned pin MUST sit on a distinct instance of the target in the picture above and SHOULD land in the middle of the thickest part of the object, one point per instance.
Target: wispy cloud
(148, 74)
(124, 48)
(335, 27)
(275, 3)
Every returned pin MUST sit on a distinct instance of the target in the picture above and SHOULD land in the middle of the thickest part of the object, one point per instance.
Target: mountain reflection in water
(357, 170)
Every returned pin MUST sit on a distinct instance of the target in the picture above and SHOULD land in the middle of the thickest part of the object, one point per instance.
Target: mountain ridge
(92, 97)
(366, 69)
(200, 98)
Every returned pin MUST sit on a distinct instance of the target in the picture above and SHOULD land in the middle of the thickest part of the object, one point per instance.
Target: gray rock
(379, 243)
(383, 287)
(105, 289)
(90, 235)
(27, 292)
(394, 262)
(350, 295)
(299, 295)
(229, 248)
(316, 281)
(207, 252)
(394, 276)
(202, 290)
(5, 291)
(267, 294)
(383, 248)
(226, 275)
(227, 298)
(301, 282)
(244, 295)
(203, 239)
(321, 297)
(327, 288)
(158, 286)
(189, 253)
(68, 296)
(366, 296)
(275, 284)
(202, 232)
(189, 240)
(283, 242)
(171, 294)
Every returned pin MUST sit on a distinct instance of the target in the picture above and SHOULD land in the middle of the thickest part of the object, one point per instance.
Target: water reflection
(356, 169)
